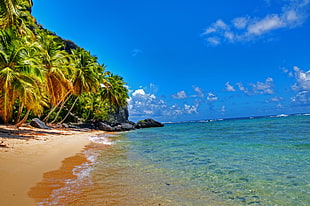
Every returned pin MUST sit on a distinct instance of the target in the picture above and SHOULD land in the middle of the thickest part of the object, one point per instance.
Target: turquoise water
(262, 161)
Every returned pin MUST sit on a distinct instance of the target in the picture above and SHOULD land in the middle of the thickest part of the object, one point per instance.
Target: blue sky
(195, 60)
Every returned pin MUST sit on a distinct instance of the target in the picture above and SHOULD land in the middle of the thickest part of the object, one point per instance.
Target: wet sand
(27, 153)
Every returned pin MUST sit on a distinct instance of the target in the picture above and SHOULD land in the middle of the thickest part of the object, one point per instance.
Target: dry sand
(27, 153)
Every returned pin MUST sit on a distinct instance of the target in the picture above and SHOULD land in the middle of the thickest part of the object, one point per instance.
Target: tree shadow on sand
(26, 133)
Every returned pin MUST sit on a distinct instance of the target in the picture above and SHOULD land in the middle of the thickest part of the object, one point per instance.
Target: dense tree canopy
(41, 76)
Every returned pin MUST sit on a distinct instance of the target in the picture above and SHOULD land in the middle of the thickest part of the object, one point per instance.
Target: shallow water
(262, 161)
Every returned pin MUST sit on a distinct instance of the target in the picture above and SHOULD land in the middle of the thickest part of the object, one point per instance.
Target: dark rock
(36, 122)
(105, 127)
(127, 126)
(89, 125)
(132, 123)
(64, 125)
(123, 126)
(148, 123)
(69, 45)
(154, 123)
(119, 115)
(118, 128)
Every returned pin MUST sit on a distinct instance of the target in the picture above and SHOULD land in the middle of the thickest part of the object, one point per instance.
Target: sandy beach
(27, 153)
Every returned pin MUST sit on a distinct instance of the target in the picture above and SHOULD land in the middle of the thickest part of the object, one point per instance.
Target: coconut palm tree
(32, 98)
(87, 72)
(56, 68)
(18, 75)
(116, 93)
(87, 75)
(12, 13)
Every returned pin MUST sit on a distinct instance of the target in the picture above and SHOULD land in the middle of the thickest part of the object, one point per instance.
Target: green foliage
(39, 74)
(115, 91)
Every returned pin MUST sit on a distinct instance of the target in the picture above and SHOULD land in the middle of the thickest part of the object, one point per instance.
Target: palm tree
(87, 75)
(88, 72)
(18, 75)
(116, 93)
(11, 13)
(32, 98)
(56, 67)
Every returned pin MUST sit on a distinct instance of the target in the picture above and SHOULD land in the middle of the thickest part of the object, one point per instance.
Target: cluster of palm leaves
(40, 77)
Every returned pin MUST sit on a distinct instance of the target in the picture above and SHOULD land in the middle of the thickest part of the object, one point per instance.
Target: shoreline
(27, 153)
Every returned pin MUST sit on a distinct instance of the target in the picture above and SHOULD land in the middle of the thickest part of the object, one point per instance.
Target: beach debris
(36, 122)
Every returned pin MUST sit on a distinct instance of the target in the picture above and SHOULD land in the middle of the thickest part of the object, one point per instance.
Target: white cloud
(275, 99)
(302, 86)
(302, 78)
(138, 92)
(209, 30)
(148, 112)
(249, 28)
(229, 35)
(243, 88)
(255, 88)
(180, 95)
(265, 25)
(290, 74)
(214, 41)
(240, 22)
(212, 97)
(263, 87)
(219, 25)
(191, 109)
(302, 98)
(143, 105)
(229, 87)
(199, 91)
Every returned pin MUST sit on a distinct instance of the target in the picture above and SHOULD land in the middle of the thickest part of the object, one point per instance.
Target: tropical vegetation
(42, 75)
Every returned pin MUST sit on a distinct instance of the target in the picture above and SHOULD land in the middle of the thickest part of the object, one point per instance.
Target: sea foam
(82, 175)
(101, 140)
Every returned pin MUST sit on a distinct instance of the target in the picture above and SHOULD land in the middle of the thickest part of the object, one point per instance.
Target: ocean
(253, 161)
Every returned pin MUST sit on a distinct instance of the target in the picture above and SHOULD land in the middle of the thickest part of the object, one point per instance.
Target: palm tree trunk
(23, 120)
(60, 109)
(20, 110)
(69, 111)
(53, 109)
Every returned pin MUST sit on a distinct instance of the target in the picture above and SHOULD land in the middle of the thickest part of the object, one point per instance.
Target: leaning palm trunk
(50, 112)
(61, 108)
(19, 114)
(69, 111)
(23, 120)
(54, 108)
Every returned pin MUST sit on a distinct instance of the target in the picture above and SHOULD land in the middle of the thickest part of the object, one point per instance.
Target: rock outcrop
(126, 126)
(119, 115)
(36, 122)
(148, 123)
(105, 127)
